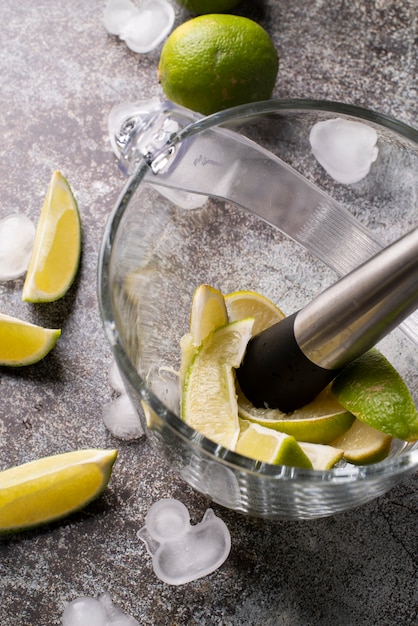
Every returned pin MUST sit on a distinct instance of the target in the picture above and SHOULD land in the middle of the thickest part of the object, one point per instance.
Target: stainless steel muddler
(288, 364)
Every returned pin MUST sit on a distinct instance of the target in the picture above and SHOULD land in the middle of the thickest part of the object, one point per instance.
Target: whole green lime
(214, 62)
(209, 6)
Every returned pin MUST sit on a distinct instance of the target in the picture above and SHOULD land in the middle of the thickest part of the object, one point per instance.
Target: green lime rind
(267, 446)
(372, 389)
(292, 455)
(321, 421)
(217, 61)
(209, 402)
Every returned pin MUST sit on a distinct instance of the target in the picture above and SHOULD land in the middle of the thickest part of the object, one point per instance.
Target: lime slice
(363, 444)
(22, 343)
(208, 312)
(209, 403)
(56, 252)
(322, 457)
(243, 304)
(52, 487)
(375, 393)
(320, 421)
(270, 446)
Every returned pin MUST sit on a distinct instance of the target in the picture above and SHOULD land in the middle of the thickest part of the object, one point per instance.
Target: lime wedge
(22, 343)
(209, 403)
(270, 446)
(375, 393)
(322, 457)
(56, 252)
(363, 444)
(208, 312)
(320, 421)
(246, 303)
(50, 488)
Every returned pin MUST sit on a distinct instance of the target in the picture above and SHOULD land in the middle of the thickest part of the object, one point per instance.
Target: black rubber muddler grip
(275, 373)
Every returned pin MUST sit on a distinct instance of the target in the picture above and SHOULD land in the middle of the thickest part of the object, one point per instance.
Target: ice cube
(116, 617)
(17, 234)
(117, 15)
(115, 378)
(165, 384)
(142, 28)
(180, 552)
(345, 148)
(84, 611)
(121, 418)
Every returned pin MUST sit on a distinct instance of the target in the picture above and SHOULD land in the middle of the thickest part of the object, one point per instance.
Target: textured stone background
(60, 73)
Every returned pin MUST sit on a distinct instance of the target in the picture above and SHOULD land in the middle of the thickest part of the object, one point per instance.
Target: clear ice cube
(346, 149)
(84, 611)
(117, 14)
(181, 552)
(121, 418)
(115, 378)
(17, 234)
(142, 28)
(116, 617)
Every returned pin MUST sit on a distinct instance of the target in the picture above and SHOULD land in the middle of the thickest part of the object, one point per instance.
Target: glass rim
(405, 461)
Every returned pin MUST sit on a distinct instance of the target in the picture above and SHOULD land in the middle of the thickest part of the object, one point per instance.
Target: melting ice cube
(121, 418)
(116, 617)
(180, 552)
(117, 14)
(17, 234)
(86, 611)
(164, 382)
(115, 378)
(345, 149)
(142, 28)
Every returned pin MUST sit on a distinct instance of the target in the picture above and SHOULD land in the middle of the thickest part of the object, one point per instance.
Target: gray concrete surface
(60, 73)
